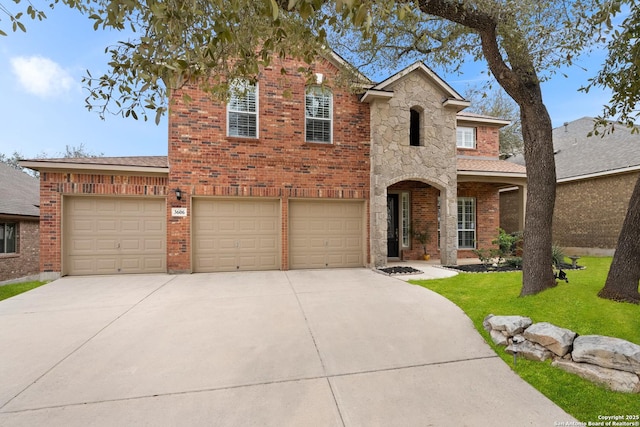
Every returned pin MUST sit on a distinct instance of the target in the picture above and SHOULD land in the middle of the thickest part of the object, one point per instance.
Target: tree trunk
(537, 271)
(519, 79)
(624, 273)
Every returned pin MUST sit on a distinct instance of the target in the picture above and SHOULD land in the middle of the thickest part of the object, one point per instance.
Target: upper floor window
(318, 113)
(466, 137)
(7, 237)
(414, 127)
(242, 110)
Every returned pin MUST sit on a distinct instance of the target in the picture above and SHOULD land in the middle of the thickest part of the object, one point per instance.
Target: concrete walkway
(298, 348)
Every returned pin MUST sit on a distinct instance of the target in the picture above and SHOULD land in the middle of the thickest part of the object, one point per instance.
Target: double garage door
(245, 234)
(110, 235)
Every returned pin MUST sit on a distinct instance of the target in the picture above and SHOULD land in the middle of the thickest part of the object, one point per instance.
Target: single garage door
(109, 235)
(236, 234)
(326, 234)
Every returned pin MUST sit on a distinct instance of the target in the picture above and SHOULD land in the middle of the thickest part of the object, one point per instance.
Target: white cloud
(41, 76)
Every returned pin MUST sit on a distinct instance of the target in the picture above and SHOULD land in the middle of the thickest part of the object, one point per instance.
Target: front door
(393, 235)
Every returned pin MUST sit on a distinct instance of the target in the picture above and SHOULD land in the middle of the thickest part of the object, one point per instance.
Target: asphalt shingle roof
(141, 161)
(579, 155)
(19, 192)
(483, 165)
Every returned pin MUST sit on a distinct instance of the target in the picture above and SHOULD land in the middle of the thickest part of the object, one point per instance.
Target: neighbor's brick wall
(25, 262)
(590, 213)
(487, 141)
(487, 214)
(53, 185)
(204, 161)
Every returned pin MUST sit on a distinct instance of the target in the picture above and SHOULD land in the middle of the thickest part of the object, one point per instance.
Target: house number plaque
(178, 211)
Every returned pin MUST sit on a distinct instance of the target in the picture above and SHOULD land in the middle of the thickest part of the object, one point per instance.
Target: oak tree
(621, 74)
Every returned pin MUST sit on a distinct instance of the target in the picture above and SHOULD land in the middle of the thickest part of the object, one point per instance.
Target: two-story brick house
(286, 175)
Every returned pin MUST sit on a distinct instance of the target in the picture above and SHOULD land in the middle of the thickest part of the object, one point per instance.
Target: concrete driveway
(296, 348)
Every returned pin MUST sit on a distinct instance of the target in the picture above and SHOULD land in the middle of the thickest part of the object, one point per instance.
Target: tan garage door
(236, 234)
(326, 234)
(109, 235)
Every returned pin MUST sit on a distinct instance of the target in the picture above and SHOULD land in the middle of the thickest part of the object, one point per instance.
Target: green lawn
(574, 306)
(7, 291)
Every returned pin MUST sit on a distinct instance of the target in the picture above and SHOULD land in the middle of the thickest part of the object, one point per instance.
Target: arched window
(318, 114)
(414, 127)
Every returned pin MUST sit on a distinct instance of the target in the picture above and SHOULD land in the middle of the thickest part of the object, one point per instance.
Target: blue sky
(43, 108)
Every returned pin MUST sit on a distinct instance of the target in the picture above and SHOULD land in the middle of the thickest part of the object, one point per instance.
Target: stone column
(449, 225)
(378, 231)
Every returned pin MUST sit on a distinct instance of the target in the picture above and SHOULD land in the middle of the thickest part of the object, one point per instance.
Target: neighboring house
(19, 221)
(595, 176)
(287, 175)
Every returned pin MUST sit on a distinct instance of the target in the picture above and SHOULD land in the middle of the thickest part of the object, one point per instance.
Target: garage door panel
(105, 245)
(103, 207)
(151, 225)
(326, 233)
(110, 235)
(236, 234)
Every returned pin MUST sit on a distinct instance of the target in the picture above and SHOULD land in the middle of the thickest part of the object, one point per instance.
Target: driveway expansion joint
(248, 385)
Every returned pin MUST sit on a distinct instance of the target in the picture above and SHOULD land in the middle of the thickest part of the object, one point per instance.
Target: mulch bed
(399, 270)
(480, 268)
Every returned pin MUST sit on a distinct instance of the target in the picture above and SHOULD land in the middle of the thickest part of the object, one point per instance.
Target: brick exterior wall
(204, 161)
(589, 213)
(53, 185)
(509, 211)
(25, 262)
(487, 213)
(487, 141)
(424, 210)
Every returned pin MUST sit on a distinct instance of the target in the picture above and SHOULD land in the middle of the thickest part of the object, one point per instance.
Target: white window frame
(467, 220)
(466, 137)
(312, 93)
(405, 219)
(240, 102)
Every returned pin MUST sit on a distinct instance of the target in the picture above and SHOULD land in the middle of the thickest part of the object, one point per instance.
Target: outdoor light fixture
(178, 194)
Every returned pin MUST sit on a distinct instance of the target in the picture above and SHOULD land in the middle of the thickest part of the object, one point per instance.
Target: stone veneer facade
(393, 160)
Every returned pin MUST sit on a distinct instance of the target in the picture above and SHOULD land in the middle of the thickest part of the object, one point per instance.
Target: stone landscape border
(611, 362)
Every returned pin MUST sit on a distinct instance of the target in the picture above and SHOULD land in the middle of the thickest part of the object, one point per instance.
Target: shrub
(515, 262)
(557, 255)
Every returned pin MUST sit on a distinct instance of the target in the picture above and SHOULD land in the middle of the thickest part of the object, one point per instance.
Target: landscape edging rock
(608, 361)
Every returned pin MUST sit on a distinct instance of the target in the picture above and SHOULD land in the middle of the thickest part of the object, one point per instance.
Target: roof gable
(384, 89)
(431, 75)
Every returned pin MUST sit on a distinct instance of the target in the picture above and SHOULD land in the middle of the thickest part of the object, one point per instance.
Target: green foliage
(557, 254)
(496, 103)
(621, 70)
(484, 255)
(167, 44)
(8, 291)
(574, 306)
(506, 249)
(515, 262)
(506, 243)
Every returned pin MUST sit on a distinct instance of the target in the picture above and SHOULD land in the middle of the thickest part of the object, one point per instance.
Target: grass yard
(573, 306)
(7, 291)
